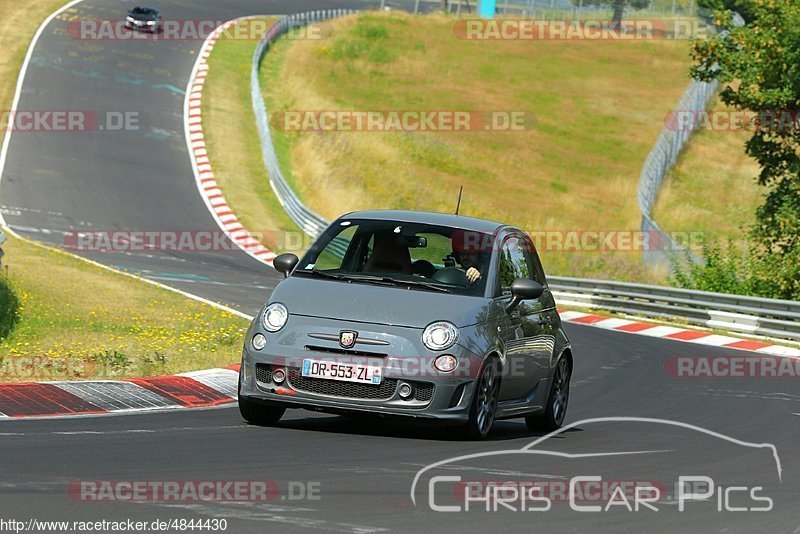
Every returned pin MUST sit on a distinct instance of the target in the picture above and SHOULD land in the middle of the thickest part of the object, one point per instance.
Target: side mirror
(523, 289)
(285, 263)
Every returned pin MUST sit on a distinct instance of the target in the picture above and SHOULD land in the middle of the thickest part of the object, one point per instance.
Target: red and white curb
(198, 153)
(212, 387)
(677, 334)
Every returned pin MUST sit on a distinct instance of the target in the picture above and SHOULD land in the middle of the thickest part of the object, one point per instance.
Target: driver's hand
(473, 275)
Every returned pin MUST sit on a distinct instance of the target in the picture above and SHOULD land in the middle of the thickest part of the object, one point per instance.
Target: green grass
(62, 318)
(598, 109)
(73, 320)
(712, 188)
(234, 147)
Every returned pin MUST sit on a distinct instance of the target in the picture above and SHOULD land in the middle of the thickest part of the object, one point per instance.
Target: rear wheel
(484, 402)
(556, 409)
(255, 413)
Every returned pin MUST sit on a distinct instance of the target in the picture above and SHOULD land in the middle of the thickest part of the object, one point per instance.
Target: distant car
(144, 19)
(415, 314)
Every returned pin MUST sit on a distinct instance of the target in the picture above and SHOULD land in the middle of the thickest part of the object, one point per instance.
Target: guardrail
(308, 221)
(662, 158)
(748, 315)
(735, 313)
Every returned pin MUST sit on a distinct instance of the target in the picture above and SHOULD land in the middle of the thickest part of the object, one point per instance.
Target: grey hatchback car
(402, 313)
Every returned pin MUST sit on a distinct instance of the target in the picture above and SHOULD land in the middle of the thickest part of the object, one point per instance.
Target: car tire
(258, 414)
(483, 407)
(557, 400)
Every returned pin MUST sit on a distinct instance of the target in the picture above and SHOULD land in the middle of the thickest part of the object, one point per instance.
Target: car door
(526, 343)
(547, 320)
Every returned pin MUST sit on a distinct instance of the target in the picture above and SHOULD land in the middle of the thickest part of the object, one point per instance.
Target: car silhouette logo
(347, 339)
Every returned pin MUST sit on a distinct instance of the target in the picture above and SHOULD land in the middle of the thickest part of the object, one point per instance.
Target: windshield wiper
(320, 273)
(418, 283)
(382, 280)
(348, 277)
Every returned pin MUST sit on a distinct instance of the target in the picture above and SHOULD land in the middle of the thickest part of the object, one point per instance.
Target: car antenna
(458, 206)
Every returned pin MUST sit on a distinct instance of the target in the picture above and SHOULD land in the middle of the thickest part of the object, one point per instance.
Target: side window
(535, 266)
(538, 271)
(331, 258)
(513, 263)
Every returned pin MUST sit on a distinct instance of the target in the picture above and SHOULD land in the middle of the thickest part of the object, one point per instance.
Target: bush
(727, 270)
(9, 308)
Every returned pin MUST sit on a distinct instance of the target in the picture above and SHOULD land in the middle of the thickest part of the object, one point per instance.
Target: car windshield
(142, 11)
(414, 255)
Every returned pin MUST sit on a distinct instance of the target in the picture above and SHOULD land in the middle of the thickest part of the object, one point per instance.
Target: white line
(21, 79)
(135, 277)
(4, 151)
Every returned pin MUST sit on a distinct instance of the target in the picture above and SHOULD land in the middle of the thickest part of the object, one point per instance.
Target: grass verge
(233, 144)
(62, 318)
(598, 108)
(75, 321)
(712, 187)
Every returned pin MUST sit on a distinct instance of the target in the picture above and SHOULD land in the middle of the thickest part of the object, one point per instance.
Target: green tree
(743, 7)
(759, 66)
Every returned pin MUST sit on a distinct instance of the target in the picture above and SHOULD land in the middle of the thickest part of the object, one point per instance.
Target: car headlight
(274, 317)
(151, 22)
(129, 19)
(440, 335)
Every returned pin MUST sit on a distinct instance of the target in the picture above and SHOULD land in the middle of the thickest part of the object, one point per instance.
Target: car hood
(367, 303)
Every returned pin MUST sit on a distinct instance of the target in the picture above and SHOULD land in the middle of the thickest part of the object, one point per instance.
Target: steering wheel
(453, 276)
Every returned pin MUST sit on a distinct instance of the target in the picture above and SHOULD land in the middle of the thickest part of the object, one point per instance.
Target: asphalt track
(363, 468)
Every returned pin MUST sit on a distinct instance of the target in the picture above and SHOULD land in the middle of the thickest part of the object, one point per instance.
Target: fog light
(404, 391)
(259, 341)
(445, 363)
(278, 376)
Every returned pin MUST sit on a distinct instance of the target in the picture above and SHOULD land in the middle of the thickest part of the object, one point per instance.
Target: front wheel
(484, 402)
(257, 414)
(556, 409)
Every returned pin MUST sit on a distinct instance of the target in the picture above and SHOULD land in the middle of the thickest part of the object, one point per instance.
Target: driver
(466, 250)
(469, 262)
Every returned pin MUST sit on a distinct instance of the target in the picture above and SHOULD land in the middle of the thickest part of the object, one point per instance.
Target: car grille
(336, 388)
(423, 391)
(263, 373)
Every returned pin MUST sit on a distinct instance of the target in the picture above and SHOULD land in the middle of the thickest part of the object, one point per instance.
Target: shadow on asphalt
(400, 428)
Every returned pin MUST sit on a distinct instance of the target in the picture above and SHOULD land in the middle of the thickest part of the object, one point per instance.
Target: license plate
(346, 372)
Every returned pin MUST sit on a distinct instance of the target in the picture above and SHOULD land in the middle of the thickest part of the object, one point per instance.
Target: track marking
(4, 153)
(198, 154)
(21, 78)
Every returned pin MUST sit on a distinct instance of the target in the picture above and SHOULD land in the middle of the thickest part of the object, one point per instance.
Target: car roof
(428, 217)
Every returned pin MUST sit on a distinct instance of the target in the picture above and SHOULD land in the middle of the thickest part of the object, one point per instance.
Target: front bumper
(404, 360)
(142, 27)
